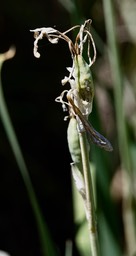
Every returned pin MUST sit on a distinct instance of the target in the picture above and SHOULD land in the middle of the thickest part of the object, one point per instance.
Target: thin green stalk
(129, 224)
(90, 205)
(118, 83)
(46, 244)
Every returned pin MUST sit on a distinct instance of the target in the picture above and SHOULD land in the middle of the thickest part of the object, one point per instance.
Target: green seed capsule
(83, 79)
(73, 141)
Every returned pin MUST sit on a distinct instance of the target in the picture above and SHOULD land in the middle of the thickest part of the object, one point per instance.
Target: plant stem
(129, 224)
(90, 205)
